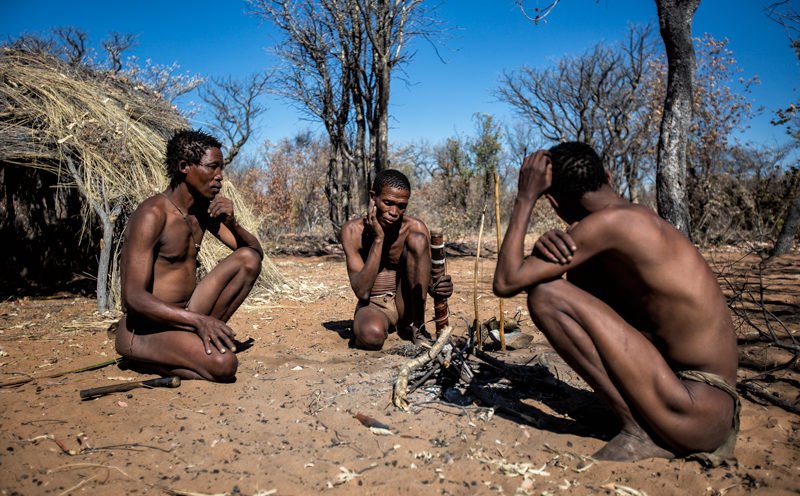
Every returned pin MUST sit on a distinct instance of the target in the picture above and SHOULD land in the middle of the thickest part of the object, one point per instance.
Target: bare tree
(115, 45)
(316, 75)
(603, 98)
(339, 59)
(234, 107)
(675, 23)
(74, 42)
(166, 80)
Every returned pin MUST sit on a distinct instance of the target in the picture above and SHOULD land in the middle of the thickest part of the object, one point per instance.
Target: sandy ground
(287, 425)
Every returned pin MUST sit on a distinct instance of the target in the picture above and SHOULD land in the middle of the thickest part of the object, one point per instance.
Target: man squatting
(388, 257)
(640, 316)
(174, 324)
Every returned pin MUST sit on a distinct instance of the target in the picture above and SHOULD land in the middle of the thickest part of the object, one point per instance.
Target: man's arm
(225, 227)
(515, 272)
(137, 272)
(362, 273)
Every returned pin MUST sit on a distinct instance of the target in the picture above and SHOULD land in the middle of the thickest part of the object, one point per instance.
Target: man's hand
(535, 175)
(372, 220)
(221, 208)
(555, 246)
(442, 288)
(215, 333)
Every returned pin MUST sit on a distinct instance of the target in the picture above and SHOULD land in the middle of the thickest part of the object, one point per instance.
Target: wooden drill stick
(171, 382)
(502, 329)
(438, 269)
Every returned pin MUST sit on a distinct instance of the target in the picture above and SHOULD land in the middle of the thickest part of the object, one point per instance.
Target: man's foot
(417, 335)
(628, 447)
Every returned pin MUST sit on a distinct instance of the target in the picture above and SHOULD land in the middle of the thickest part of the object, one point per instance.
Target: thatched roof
(112, 130)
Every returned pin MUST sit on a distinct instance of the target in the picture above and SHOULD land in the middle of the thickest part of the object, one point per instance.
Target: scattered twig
(766, 396)
(51, 375)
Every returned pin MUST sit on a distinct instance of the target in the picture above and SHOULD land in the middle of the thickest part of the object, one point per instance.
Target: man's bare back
(173, 324)
(656, 280)
(640, 317)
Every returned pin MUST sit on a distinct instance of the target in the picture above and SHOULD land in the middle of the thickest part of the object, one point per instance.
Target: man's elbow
(502, 288)
(131, 303)
(361, 293)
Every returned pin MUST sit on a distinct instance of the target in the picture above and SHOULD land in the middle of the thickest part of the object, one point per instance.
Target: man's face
(206, 176)
(391, 204)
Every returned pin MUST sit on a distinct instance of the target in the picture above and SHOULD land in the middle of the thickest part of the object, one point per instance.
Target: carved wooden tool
(438, 269)
(171, 382)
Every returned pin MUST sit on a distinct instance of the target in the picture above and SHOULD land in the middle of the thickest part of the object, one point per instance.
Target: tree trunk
(382, 115)
(337, 191)
(675, 24)
(791, 224)
(107, 216)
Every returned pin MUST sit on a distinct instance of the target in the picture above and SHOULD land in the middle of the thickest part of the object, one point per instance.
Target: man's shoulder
(352, 230)
(415, 224)
(632, 229)
(150, 209)
(621, 216)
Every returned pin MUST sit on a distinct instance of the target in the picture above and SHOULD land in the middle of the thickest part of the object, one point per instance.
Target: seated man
(388, 258)
(640, 315)
(173, 324)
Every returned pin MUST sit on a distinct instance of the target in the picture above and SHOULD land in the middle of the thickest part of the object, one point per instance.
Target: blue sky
(436, 97)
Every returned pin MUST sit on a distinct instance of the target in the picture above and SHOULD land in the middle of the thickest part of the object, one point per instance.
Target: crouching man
(640, 316)
(388, 257)
(174, 324)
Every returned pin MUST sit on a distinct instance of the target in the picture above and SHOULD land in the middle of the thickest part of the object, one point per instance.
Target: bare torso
(174, 254)
(394, 244)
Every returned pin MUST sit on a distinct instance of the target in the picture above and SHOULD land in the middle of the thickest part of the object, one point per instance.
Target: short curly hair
(189, 145)
(577, 170)
(392, 178)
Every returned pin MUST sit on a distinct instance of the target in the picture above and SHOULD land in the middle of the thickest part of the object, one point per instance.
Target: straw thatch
(95, 133)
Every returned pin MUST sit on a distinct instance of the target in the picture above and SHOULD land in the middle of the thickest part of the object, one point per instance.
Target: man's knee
(370, 336)
(221, 367)
(546, 299)
(417, 245)
(249, 262)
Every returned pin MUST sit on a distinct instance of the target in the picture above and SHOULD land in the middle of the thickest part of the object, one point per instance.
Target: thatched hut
(79, 149)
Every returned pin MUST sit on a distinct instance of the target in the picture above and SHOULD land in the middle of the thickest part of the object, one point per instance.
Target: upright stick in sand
(502, 319)
(476, 324)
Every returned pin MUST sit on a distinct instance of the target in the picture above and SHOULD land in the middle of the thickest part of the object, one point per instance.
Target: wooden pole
(476, 324)
(502, 328)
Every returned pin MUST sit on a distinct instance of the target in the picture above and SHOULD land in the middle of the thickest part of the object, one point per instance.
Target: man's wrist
(526, 200)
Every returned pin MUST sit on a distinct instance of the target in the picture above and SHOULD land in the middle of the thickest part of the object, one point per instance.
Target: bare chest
(180, 242)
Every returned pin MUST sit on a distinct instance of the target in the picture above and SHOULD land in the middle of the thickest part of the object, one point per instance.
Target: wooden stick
(171, 382)
(400, 397)
(476, 324)
(23, 380)
(502, 319)
(439, 269)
